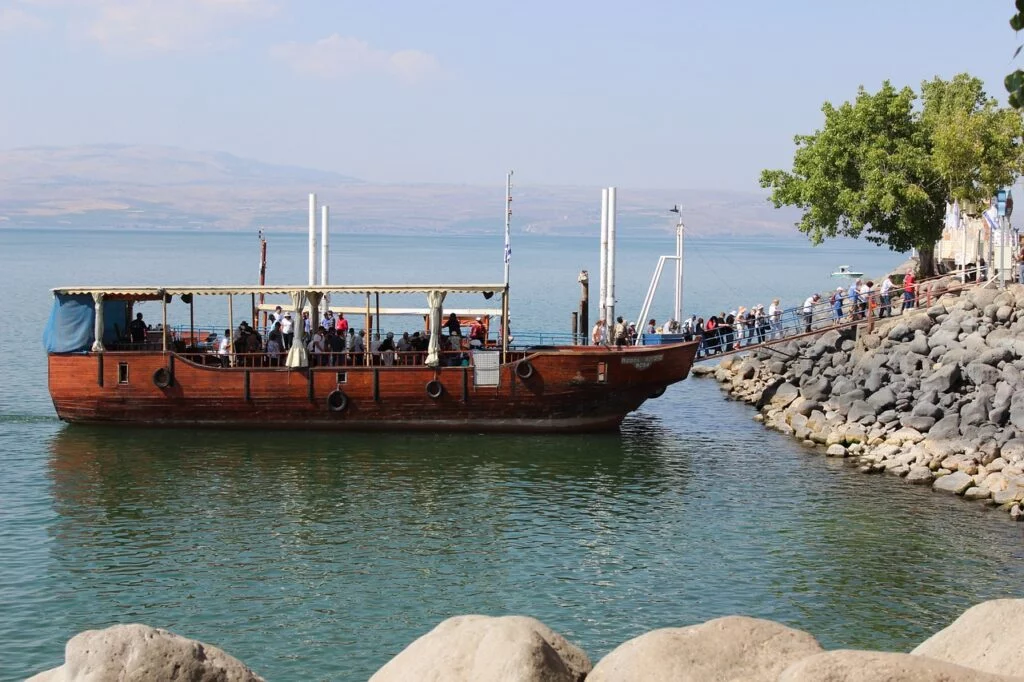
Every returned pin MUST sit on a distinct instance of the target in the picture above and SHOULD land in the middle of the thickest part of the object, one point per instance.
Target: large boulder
(882, 399)
(492, 649)
(943, 379)
(732, 648)
(985, 637)
(876, 666)
(139, 653)
(955, 483)
(817, 390)
(783, 395)
(982, 374)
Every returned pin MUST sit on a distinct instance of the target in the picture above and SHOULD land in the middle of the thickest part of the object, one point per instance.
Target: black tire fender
(162, 378)
(337, 401)
(524, 369)
(435, 389)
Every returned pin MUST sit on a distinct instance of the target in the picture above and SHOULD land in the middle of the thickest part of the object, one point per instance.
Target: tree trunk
(926, 261)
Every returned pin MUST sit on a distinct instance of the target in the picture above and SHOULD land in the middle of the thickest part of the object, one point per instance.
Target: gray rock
(920, 323)
(1003, 313)
(888, 417)
(900, 332)
(836, 450)
(920, 475)
(469, 648)
(783, 395)
(818, 390)
(878, 378)
(980, 373)
(919, 344)
(842, 385)
(861, 411)
(943, 379)
(982, 297)
(848, 345)
(869, 666)
(882, 399)
(138, 653)
(976, 493)
(943, 338)
(730, 648)
(994, 356)
(927, 409)
(936, 311)
(985, 637)
(922, 424)
(956, 483)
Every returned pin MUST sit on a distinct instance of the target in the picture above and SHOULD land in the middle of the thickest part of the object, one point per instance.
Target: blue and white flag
(991, 216)
(508, 249)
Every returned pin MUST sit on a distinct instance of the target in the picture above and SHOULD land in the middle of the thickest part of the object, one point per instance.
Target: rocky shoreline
(935, 396)
(980, 646)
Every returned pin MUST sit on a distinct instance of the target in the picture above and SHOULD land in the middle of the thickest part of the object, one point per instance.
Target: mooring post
(584, 318)
(575, 328)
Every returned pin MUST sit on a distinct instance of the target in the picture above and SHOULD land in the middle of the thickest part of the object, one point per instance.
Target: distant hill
(156, 187)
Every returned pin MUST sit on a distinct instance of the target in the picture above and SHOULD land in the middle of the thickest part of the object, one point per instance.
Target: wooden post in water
(575, 328)
(584, 312)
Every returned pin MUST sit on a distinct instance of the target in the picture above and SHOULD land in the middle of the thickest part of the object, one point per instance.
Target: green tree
(883, 169)
(1015, 81)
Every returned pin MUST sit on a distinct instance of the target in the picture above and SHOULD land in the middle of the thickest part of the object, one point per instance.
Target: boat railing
(382, 359)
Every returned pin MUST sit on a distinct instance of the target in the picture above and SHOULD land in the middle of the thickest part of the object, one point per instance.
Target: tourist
(453, 326)
(287, 333)
(224, 349)
(619, 332)
(306, 327)
(375, 348)
(403, 347)
(328, 321)
(356, 346)
(137, 330)
(477, 333)
(711, 335)
(775, 318)
(853, 296)
(908, 291)
(341, 325)
(275, 345)
(599, 335)
(317, 346)
(836, 301)
(631, 334)
(335, 346)
(886, 296)
(727, 330)
(651, 327)
(760, 323)
(809, 311)
(387, 350)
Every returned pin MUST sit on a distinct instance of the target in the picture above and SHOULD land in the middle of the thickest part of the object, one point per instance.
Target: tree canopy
(883, 168)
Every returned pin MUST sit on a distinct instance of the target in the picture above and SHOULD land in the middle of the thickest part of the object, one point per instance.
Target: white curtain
(297, 355)
(314, 310)
(434, 300)
(97, 345)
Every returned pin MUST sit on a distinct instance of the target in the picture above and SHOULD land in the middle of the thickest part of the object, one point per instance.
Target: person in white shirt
(886, 292)
(809, 311)
(224, 349)
(287, 330)
(599, 336)
(775, 319)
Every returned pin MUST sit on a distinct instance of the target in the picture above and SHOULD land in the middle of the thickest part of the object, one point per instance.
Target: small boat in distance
(845, 271)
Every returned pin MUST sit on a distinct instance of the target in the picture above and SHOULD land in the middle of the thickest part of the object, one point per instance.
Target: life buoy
(657, 394)
(162, 378)
(337, 401)
(524, 370)
(435, 389)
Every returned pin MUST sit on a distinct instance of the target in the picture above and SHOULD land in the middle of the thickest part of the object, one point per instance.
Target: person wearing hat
(287, 330)
(477, 333)
(836, 301)
(808, 311)
(775, 319)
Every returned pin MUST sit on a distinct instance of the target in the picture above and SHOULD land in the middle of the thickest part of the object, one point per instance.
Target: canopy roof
(359, 310)
(141, 293)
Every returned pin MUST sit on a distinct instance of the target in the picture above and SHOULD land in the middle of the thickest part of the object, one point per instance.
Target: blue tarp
(72, 319)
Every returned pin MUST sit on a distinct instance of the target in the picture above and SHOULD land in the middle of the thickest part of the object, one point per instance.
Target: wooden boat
(496, 388)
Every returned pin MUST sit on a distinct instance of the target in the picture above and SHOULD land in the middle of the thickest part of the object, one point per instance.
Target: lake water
(324, 562)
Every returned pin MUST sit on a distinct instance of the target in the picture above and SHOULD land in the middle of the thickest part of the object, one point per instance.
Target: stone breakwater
(935, 396)
(980, 646)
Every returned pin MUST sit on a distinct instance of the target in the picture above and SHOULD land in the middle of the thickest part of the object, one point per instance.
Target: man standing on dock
(809, 311)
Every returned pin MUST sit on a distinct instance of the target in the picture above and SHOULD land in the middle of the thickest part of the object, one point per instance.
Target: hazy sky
(669, 94)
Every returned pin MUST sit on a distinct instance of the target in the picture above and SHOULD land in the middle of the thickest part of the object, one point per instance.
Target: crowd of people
(334, 343)
(728, 331)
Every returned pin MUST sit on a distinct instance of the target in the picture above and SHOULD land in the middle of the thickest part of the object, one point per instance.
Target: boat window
(122, 372)
(602, 372)
(342, 377)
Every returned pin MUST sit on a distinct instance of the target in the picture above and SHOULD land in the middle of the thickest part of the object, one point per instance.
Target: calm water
(321, 560)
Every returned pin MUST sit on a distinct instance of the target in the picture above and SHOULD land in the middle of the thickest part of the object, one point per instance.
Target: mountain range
(157, 187)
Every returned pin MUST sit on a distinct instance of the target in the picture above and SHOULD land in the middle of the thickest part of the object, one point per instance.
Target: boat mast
(263, 272)
(679, 265)
(508, 261)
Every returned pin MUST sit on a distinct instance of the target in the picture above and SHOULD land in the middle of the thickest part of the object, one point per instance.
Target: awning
(142, 293)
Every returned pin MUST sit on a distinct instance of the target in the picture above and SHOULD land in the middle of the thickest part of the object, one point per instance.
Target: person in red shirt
(908, 290)
(477, 334)
(341, 324)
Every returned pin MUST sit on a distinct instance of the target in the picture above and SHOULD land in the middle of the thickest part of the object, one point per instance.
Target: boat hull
(570, 390)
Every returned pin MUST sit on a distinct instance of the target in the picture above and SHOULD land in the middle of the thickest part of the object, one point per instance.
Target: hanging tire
(524, 370)
(162, 378)
(434, 389)
(337, 401)
(657, 394)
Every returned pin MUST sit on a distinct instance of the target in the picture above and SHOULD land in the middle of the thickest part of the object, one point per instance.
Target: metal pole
(679, 267)
(584, 280)
(612, 209)
(369, 332)
(231, 328)
(603, 280)
(508, 224)
(504, 324)
(163, 329)
(312, 239)
(324, 246)
(192, 321)
(263, 272)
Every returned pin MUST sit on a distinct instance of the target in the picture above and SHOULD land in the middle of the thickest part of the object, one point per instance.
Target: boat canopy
(153, 293)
